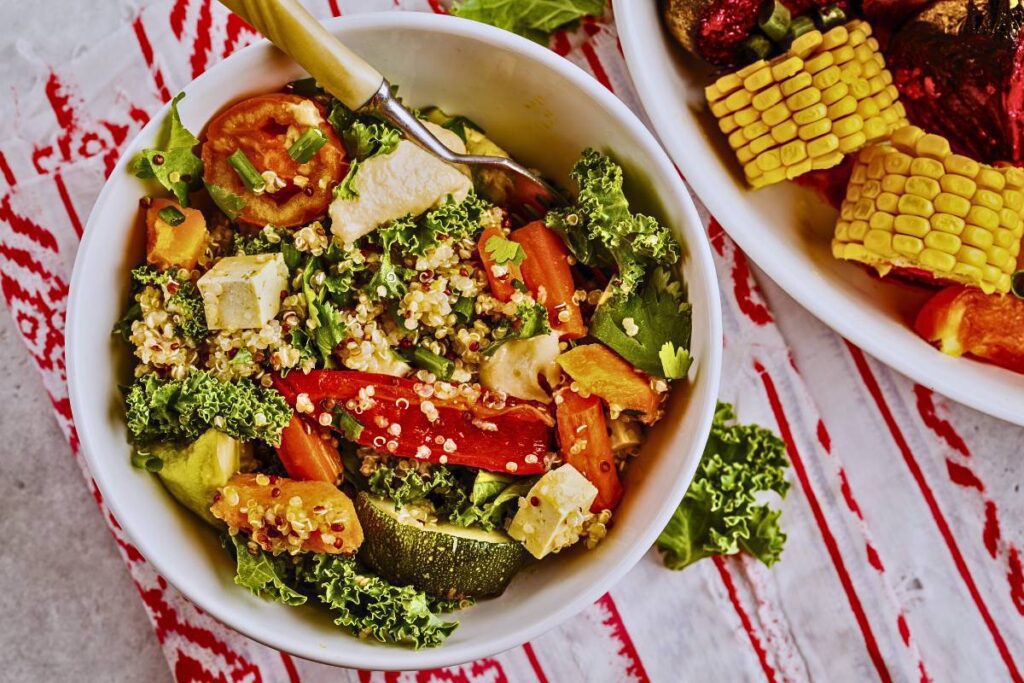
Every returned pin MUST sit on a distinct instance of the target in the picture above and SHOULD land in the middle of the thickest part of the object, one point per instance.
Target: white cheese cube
(243, 292)
(552, 514)
(516, 366)
(407, 181)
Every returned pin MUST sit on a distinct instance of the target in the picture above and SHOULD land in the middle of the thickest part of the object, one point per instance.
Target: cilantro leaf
(534, 19)
(719, 515)
(263, 574)
(675, 361)
(371, 607)
(659, 316)
(505, 250)
(173, 163)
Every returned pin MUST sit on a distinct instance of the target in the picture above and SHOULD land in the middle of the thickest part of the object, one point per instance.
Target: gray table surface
(69, 609)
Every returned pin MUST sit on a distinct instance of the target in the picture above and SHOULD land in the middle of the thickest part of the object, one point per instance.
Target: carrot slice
(548, 275)
(598, 370)
(501, 283)
(306, 454)
(584, 443)
(174, 246)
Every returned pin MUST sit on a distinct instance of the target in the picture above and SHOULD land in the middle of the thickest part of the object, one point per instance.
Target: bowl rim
(698, 249)
(902, 350)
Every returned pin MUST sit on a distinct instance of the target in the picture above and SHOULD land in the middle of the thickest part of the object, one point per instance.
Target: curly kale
(719, 514)
(265, 575)
(180, 410)
(600, 228)
(403, 485)
(185, 304)
(370, 607)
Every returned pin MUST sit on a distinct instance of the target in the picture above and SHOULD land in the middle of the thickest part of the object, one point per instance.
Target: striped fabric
(903, 561)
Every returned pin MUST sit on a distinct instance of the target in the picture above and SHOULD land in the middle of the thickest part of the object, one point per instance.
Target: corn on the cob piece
(916, 205)
(827, 96)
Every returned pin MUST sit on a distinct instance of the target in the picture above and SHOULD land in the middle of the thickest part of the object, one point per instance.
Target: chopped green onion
(800, 26)
(774, 19)
(246, 171)
(757, 47)
(465, 307)
(308, 144)
(1017, 284)
(351, 427)
(439, 366)
(146, 461)
(171, 216)
(830, 16)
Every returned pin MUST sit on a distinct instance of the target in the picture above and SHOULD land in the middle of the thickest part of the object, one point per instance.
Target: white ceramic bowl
(787, 230)
(545, 111)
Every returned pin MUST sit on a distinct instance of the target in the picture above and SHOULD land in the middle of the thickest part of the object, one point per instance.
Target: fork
(361, 88)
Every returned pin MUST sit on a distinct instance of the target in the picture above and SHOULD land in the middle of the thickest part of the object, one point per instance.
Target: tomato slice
(264, 127)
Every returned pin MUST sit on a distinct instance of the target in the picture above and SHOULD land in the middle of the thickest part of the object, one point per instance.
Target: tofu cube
(563, 498)
(243, 292)
(407, 181)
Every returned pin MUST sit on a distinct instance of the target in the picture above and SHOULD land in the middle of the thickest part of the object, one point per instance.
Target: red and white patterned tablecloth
(904, 519)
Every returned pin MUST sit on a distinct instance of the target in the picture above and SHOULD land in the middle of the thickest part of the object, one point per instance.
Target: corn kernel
(854, 193)
(770, 177)
(942, 241)
(858, 229)
(879, 242)
(972, 273)
(875, 128)
(952, 203)
(876, 168)
(806, 44)
(826, 78)
(816, 129)
(868, 109)
(860, 173)
(848, 125)
(909, 246)
(872, 68)
(844, 107)
(1013, 200)
(737, 139)
(972, 256)
(843, 54)
(857, 37)
(894, 183)
(977, 237)
(852, 142)
(838, 249)
(744, 154)
(846, 211)
(762, 143)
(759, 79)
(798, 169)
(803, 99)
(855, 252)
(863, 209)
(860, 88)
(784, 132)
(883, 99)
(991, 179)
(905, 139)
(842, 231)
(887, 202)
(755, 130)
(871, 189)
(981, 216)
(767, 98)
(810, 115)
(991, 273)
(937, 260)
(912, 225)
(1005, 238)
(727, 84)
(738, 100)
(819, 62)
(898, 163)
(751, 69)
(872, 43)
(988, 198)
(826, 144)
(912, 205)
(834, 38)
(795, 84)
(747, 116)
(793, 152)
(923, 187)
(769, 161)
(1014, 178)
(751, 170)
(719, 109)
(945, 222)
(1009, 219)
(882, 221)
(998, 256)
(849, 72)
(927, 167)
(1004, 283)
(775, 115)
(834, 93)
(786, 68)
(728, 124)
(713, 93)
(827, 161)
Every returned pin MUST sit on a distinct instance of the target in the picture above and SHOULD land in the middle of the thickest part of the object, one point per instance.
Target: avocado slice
(194, 472)
(408, 546)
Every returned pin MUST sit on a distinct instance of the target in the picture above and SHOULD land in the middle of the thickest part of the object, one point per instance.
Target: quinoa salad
(385, 396)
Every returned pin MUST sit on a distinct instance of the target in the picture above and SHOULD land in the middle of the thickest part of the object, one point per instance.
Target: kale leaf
(719, 515)
(264, 575)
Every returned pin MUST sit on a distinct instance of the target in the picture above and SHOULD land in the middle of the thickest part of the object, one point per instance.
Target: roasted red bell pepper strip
(964, 320)
(441, 422)
(548, 276)
(501, 285)
(584, 444)
(305, 453)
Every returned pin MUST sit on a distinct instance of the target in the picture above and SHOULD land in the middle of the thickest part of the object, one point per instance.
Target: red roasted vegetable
(548, 275)
(306, 454)
(584, 443)
(964, 320)
(501, 286)
(441, 422)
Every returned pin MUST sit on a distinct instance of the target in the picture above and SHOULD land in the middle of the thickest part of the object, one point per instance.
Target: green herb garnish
(246, 171)
(171, 215)
(308, 144)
